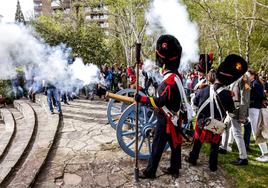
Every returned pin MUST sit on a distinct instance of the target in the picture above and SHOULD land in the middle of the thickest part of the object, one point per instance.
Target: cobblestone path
(86, 154)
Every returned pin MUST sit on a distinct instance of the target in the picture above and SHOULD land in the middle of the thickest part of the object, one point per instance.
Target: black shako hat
(205, 63)
(168, 52)
(231, 69)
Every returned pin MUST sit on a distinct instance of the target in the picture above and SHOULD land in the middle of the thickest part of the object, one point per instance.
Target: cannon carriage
(121, 116)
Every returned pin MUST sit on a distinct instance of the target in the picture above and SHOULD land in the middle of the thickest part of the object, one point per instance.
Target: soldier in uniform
(203, 67)
(230, 70)
(241, 96)
(166, 103)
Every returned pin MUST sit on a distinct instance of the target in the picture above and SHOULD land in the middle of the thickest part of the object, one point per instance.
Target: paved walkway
(87, 155)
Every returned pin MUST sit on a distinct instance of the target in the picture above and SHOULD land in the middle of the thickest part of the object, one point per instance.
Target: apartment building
(98, 14)
(42, 7)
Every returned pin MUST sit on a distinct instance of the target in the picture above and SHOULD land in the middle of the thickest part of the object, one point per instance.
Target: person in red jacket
(131, 77)
(166, 104)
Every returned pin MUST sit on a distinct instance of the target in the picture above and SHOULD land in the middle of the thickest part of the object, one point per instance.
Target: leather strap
(184, 100)
(210, 100)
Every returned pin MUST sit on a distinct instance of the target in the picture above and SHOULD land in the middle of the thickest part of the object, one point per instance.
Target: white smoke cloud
(88, 73)
(172, 17)
(19, 48)
(152, 71)
(148, 65)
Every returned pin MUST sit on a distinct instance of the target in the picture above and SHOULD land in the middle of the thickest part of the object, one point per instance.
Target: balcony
(67, 11)
(37, 1)
(38, 8)
(55, 5)
(104, 25)
(98, 17)
(88, 18)
(37, 5)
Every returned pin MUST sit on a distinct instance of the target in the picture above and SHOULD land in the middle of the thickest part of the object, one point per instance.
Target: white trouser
(253, 117)
(235, 132)
(225, 135)
(231, 136)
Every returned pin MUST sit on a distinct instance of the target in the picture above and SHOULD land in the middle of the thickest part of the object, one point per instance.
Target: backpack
(212, 124)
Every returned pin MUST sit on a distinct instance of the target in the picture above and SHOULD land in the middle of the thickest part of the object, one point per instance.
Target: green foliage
(87, 40)
(116, 51)
(6, 91)
(127, 26)
(234, 26)
(252, 175)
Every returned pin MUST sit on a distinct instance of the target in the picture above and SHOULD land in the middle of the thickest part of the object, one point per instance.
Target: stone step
(85, 117)
(45, 136)
(95, 101)
(86, 104)
(87, 112)
(25, 128)
(7, 131)
(77, 103)
(42, 101)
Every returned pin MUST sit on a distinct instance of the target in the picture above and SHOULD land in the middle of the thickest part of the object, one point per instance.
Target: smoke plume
(171, 17)
(152, 71)
(20, 48)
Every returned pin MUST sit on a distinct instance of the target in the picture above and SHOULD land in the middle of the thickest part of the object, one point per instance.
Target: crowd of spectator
(114, 78)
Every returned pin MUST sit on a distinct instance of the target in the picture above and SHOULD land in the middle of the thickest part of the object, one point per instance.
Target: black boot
(240, 162)
(189, 160)
(146, 175)
(222, 151)
(169, 171)
(213, 168)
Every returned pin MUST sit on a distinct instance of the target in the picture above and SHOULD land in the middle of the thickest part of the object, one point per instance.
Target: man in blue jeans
(17, 89)
(53, 92)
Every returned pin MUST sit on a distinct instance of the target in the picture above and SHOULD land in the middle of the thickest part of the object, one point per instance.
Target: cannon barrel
(121, 98)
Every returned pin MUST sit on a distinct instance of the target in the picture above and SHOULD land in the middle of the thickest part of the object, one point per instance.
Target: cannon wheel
(116, 108)
(126, 131)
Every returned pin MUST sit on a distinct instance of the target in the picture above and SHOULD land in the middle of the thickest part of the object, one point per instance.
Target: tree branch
(262, 5)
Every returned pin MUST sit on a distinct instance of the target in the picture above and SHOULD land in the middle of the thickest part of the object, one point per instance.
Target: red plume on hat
(231, 69)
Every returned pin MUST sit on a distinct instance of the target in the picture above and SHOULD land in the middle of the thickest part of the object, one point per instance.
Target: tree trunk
(250, 30)
(237, 28)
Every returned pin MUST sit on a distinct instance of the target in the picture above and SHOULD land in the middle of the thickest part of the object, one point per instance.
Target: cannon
(125, 126)
(116, 106)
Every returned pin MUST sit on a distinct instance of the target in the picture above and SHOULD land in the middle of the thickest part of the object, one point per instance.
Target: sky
(8, 9)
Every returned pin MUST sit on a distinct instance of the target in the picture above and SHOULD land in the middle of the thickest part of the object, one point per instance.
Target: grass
(254, 175)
